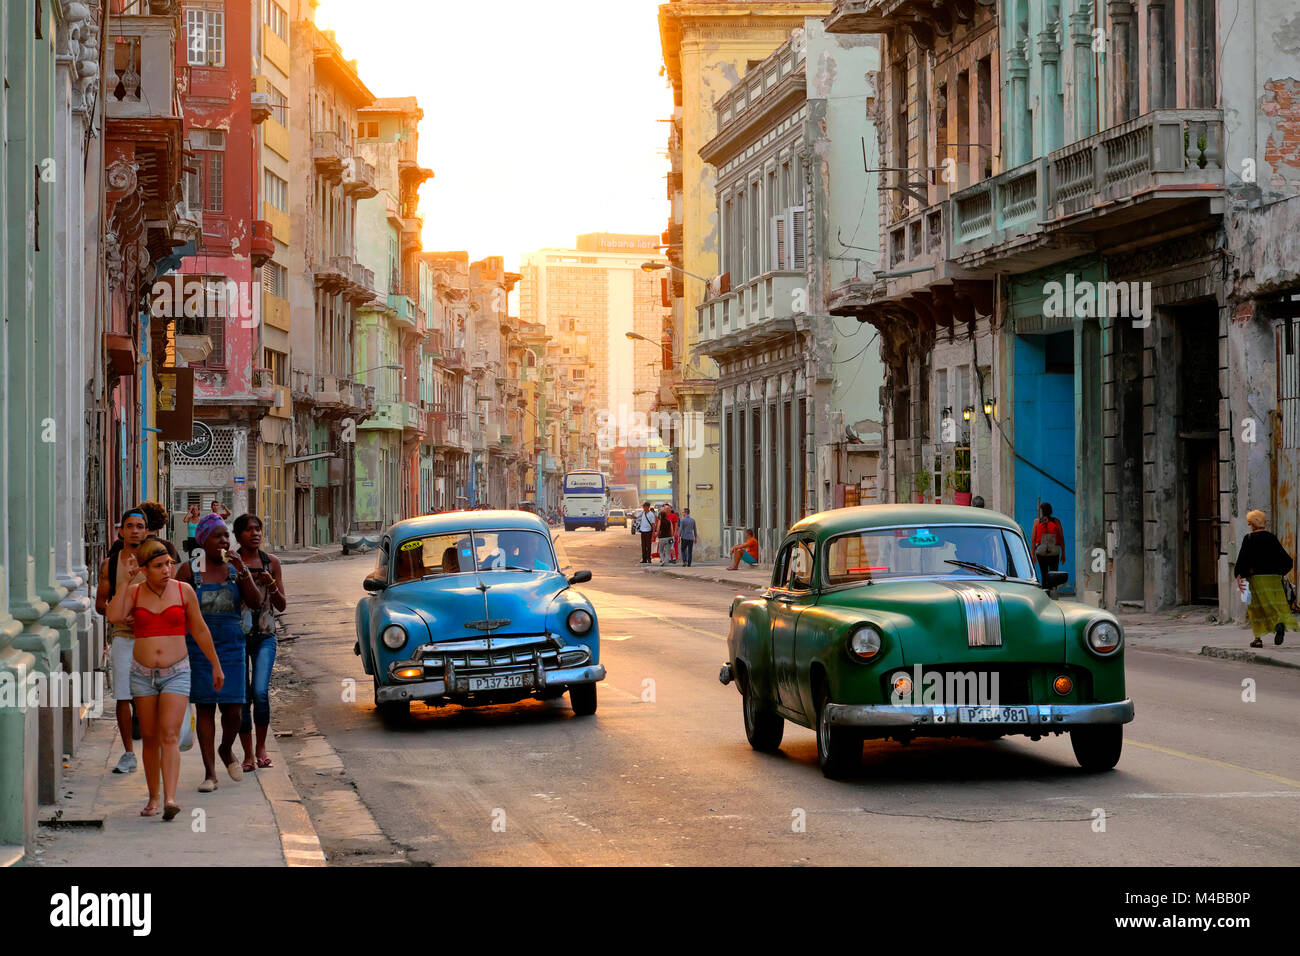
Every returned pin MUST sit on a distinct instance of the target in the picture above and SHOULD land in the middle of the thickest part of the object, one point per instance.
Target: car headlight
(394, 637)
(1104, 637)
(865, 642)
(580, 621)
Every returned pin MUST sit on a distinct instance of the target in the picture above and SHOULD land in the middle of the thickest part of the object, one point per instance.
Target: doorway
(1198, 449)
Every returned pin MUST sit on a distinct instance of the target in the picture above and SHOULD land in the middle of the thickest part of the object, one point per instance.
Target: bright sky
(541, 120)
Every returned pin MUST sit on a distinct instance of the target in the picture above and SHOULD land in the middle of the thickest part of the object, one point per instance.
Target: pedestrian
(155, 516)
(674, 518)
(747, 551)
(688, 532)
(217, 509)
(160, 611)
(261, 640)
(645, 524)
(224, 588)
(1262, 561)
(192, 517)
(665, 527)
(977, 501)
(1048, 542)
(113, 576)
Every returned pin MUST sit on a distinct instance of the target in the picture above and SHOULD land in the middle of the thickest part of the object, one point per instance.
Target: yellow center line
(1215, 763)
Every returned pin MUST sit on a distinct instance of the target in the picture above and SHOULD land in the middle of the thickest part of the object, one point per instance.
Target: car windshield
(443, 554)
(952, 550)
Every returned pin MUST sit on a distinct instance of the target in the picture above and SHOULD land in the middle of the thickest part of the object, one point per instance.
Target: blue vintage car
(476, 607)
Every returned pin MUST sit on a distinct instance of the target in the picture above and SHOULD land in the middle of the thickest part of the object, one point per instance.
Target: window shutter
(798, 239)
(778, 243)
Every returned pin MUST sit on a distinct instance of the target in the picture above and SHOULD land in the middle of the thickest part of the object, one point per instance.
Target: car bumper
(430, 689)
(940, 719)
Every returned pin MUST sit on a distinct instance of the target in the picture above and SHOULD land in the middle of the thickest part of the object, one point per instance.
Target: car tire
(764, 727)
(839, 750)
(1098, 748)
(582, 698)
(392, 713)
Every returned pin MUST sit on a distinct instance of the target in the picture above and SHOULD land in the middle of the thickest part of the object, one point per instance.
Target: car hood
(938, 621)
(514, 601)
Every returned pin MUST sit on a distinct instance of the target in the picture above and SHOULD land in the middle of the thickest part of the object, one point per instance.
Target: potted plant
(921, 482)
(961, 488)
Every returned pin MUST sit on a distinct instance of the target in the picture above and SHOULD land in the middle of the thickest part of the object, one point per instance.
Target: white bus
(586, 501)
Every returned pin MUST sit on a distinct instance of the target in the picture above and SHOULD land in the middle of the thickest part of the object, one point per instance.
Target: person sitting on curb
(747, 552)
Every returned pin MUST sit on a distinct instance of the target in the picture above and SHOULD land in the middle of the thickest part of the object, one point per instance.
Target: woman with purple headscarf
(224, 588)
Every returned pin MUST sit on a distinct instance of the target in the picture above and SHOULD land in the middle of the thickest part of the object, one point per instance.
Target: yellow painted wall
(279, 222)
(275, 137)
(275, 50)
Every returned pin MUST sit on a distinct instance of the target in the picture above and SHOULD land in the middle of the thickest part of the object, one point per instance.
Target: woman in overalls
(224, 588)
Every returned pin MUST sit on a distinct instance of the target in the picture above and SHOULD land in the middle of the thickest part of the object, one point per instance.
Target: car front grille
(507, 655)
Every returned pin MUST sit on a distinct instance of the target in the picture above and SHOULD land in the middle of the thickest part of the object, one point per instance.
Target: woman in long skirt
(1263, 562)
(224, 588)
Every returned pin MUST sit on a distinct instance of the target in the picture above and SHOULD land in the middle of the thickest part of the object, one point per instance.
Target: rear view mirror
(580, 577)
(1054, 579)
(374, 584)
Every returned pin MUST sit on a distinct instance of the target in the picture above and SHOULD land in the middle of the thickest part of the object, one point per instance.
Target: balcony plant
(961, 488)
(921, 483)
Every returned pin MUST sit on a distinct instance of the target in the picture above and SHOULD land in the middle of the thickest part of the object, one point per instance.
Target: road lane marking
(1216, 763)
(667, 620)
(1212, 796)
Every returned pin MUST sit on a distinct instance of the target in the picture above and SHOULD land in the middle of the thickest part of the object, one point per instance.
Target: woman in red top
(160, 609)
(1049, 541)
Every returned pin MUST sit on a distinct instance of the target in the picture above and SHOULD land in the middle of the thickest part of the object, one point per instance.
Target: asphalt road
(662, 775)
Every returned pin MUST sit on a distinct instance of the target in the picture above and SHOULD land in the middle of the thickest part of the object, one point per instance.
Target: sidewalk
(311, 555)
(1185, 630)
(259, 821)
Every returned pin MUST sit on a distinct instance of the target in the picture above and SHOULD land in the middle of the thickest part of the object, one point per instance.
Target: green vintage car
(905, 621)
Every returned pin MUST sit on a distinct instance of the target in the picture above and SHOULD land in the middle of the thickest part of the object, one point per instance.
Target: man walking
(686, 527)
(645, 524)
(112, 578)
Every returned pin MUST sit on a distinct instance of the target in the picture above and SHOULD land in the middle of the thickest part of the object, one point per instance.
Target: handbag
(187, 729)
(1047, 546)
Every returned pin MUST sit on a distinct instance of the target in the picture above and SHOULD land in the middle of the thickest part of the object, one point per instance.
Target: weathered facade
(790, 135)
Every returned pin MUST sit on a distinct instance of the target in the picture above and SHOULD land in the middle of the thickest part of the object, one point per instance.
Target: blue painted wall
(1044, 434)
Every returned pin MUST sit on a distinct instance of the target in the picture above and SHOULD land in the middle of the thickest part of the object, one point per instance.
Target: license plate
(993, 715)
(504, 682)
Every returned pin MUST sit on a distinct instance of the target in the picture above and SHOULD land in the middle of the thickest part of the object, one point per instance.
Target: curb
(298, 840)
(1245, 656)
(316, 558)
(730, 582)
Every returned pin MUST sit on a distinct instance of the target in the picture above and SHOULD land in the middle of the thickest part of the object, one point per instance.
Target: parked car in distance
(618, 516)
(905, 621)
(476, 607)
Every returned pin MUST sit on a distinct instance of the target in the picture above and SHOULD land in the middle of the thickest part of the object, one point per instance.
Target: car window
(901, 552)
(460, 553)
(801, 563)
(381, 560)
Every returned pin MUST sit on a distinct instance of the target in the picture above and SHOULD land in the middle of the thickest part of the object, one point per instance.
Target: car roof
(861, 517)
(453, 521)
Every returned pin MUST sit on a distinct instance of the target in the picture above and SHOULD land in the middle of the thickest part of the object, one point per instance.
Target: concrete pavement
(1185, 630)
(258, 821)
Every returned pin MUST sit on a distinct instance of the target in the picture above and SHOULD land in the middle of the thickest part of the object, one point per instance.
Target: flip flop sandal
(264, 762)
(1257, 643)
(247, 766)
(150, 810)
(170, 811)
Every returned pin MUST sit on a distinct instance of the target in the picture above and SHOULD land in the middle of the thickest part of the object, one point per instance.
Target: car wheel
(582, 698)
(839, 751)
(764, 727)
(392, 713)
(1097, 748)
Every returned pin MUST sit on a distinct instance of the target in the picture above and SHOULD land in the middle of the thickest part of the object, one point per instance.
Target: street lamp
(656, 266)
(365, 370)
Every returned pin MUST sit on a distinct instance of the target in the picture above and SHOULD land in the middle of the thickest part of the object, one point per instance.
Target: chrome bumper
(940, 718)
(550, 679)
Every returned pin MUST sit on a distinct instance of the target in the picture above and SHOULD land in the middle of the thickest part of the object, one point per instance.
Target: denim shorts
(122, 655)
(149, 681)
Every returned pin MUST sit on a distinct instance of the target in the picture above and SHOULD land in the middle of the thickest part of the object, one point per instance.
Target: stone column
(1083, 105)
(1049, 102)
(1156, 41)
(1021, 117)
(1120, 63)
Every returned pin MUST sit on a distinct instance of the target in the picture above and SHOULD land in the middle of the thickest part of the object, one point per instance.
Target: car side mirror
(374, 584)
(1054, 579)
(580, 577)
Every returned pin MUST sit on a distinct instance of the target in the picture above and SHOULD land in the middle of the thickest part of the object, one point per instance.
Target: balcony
(363, 397)
(259, 103)
(327, 154)
(414, 420)
(412, 224)
(433, 343)
(262, 244)
(263, 384)
(334, 274)
(359, 178)
(1002, 213)
(327, 393)
(404, 308)
(753, 313)
(454, 359)
(361, 286)
(1138, 170)
(140, 66)
(302, 385)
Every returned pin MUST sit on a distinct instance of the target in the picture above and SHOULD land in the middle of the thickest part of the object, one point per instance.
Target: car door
(787, 599)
